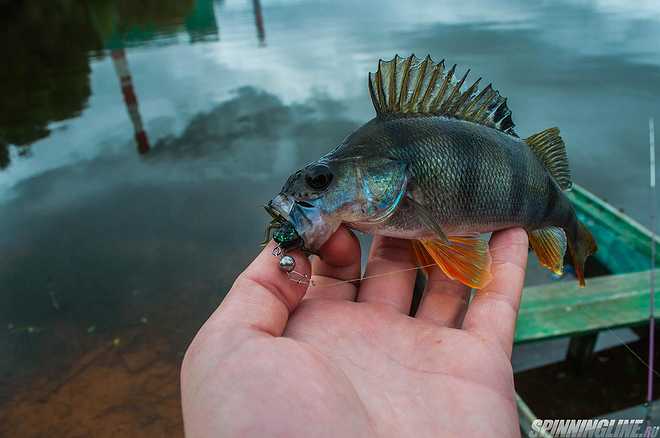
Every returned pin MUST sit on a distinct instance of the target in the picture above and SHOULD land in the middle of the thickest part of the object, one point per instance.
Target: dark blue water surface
(101, 232)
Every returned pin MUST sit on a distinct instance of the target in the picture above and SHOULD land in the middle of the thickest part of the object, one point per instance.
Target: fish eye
(318, 177)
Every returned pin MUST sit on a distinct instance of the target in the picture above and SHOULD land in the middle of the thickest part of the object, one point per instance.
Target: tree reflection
(46, 72)
(158, 13)
(47, 49)
(4, 155)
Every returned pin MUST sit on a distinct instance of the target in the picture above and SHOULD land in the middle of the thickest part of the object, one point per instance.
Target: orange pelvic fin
(422, 257)
(549, 244)
(462, 258)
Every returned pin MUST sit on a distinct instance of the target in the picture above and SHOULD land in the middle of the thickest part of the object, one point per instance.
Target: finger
(493, 310)
(263, 296)
(444, 301)
(339, 261)
(390, 274)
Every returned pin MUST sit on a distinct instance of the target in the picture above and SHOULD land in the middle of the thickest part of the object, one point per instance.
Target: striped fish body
(439, 164)
(469, 177)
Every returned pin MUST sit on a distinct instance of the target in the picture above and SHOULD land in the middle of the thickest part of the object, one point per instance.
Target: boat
(620, 298)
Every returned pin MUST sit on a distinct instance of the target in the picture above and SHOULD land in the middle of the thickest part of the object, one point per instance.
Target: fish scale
(438, 165)
(466, 183)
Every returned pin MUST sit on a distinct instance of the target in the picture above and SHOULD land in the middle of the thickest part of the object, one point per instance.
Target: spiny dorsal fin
(549, 147)
(420, 87)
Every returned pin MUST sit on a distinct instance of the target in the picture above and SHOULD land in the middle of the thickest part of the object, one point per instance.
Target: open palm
(347, 360)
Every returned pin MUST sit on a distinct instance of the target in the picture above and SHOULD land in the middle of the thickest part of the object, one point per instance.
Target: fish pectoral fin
(382, 184)
(426, 217)
(463, 258)
(549, 244)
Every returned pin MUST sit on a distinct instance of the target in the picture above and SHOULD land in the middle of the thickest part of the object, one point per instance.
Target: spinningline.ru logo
(603, 428)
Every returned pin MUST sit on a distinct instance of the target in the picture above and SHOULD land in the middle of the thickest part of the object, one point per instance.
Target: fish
(440, 165)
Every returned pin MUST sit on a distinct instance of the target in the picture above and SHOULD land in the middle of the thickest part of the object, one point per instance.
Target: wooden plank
(563, 308)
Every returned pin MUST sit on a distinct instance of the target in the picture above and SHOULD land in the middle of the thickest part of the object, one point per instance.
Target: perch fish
(440, 164)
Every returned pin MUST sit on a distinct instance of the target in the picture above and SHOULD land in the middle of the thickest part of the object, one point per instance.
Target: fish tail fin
(579, 248)
(463, 258)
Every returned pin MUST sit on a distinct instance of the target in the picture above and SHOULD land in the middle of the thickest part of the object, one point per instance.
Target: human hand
(347, 360)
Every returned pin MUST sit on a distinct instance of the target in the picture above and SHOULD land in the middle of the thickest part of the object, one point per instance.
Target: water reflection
(45, 75)
(51, 45)
(259, 21)
(123, 23)
(94, 237)
(117, 263)
(130, 99)
(254, 135)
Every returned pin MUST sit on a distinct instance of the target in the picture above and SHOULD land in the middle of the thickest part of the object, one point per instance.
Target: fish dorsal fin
(549, 148)
(412, 87)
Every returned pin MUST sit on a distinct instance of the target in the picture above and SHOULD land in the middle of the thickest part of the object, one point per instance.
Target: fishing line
(288, 265)
(649, 384)
(301, 278)
(355, 280)
(623, 343)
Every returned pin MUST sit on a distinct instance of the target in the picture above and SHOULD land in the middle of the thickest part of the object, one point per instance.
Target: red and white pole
(130, 98)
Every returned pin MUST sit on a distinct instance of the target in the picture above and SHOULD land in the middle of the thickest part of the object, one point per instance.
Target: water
(115, 244)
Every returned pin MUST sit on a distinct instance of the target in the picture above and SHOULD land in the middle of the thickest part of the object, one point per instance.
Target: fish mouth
(280, 207)
(285, 227)
(274, 213)
(305, 218)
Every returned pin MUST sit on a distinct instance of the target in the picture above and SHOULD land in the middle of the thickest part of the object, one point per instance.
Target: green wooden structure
(158, 26)
(610, 301)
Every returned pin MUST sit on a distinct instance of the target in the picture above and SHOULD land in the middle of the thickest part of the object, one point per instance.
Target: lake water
(139, 143)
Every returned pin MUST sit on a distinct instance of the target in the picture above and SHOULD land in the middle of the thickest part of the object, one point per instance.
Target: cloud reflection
(189, 212)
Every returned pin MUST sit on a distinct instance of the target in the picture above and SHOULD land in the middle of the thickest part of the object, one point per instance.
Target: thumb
(263, 296)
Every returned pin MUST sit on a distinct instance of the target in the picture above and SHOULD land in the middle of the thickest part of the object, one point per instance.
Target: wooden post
(130, 98)
(580, 352)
